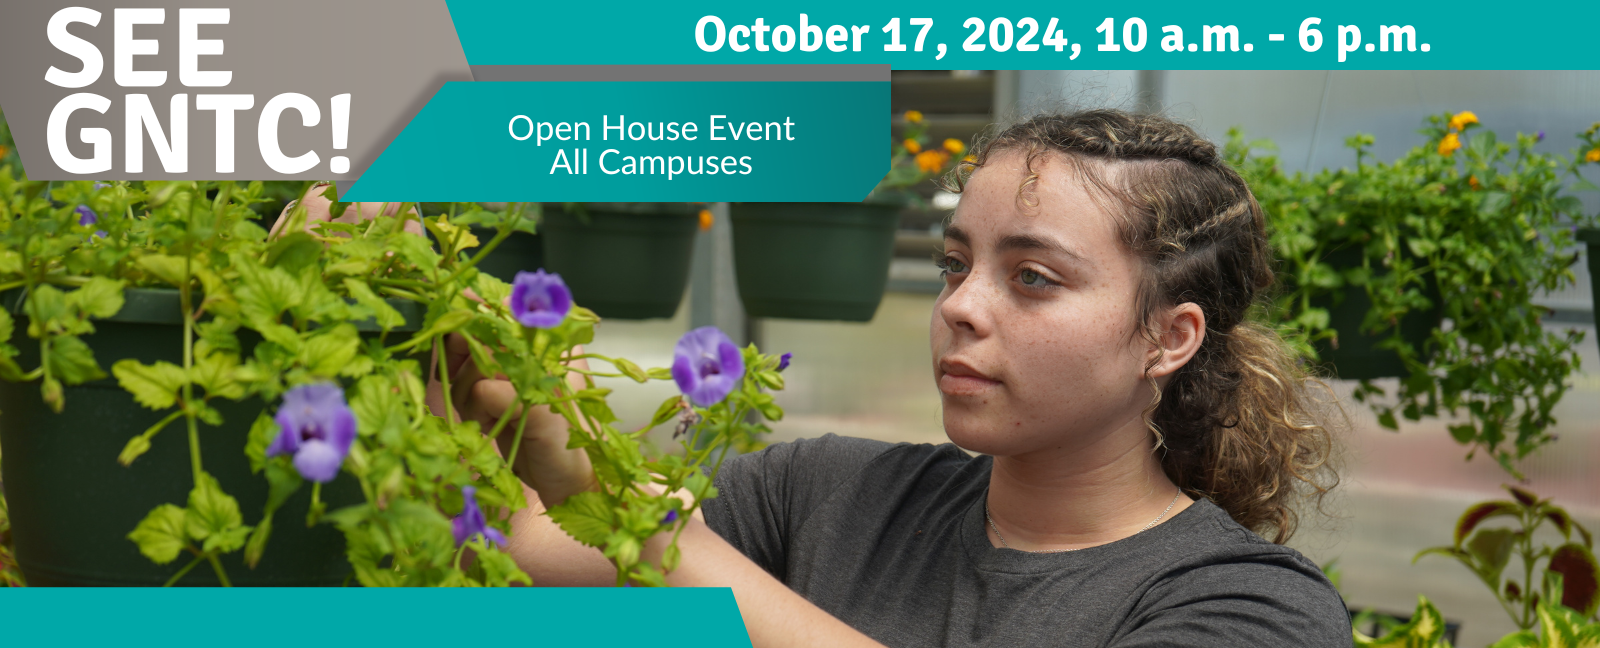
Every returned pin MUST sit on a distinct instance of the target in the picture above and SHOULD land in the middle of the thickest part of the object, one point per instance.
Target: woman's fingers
(319, 206)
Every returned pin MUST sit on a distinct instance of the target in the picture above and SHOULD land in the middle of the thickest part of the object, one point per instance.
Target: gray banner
(389, 62)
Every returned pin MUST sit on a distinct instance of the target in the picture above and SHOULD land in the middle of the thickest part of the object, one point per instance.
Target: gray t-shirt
(890, 539)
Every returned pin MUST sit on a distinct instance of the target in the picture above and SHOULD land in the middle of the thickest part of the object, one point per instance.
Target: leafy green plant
(1559, 627)
(1570, 576)
(914, 158)
(76, 247)
(10, 576)
(1424, 630)
(1479, 224)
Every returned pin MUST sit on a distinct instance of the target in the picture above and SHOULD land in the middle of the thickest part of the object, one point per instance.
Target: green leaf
(500, 569)
(170, 269)
(160, 535)
(586, 517)
(1481, 511)
(72, 362)
(215, 336)
(377, 407)
(100, 298)
(213, 517)
(1491, 550)
(449, 322)
(1424, 630)
(265, 293)
(490, 289)
(416, 250)
(136, 446)
(262, 432)
(1453, 552)
(282, 482)
(772, 379)
(154, 386)
(671, 558)
(294, 252)
(214, 373)
(328, 352)
(257, 544)
(385, 315)
(631, 370)
(668, 410)
(48, 311)
(1519, 639)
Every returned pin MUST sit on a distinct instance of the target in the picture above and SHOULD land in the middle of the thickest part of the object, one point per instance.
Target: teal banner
(950, 35)
(805, 141)
(347, 618)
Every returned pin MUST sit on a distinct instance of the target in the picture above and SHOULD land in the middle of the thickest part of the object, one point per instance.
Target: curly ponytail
(1236, 424)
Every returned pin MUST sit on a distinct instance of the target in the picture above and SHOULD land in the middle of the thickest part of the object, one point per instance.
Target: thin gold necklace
(1007, 545)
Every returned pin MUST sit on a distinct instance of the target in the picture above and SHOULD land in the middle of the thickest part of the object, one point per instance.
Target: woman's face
(1034, 342)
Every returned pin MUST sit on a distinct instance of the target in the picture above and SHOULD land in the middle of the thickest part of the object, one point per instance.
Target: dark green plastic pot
(520, 252)
(623, 260)
(1358, 356)
(819, 261)
(1591, 237)
(72, 505)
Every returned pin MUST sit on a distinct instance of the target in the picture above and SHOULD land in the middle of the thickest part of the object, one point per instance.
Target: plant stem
(316, 499)
(185, 570)
(188, 366)
(503, 234)
(516, 444)
(444, 378)
(217, 565)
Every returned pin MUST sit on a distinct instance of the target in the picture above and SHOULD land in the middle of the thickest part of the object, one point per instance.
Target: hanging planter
(819, 261)
(520, 252)
(1591, 237)
(72, 505)
(1358, 356)
(622, 260)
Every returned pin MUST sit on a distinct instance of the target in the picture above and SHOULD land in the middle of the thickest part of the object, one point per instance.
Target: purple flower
(672, 516)
(87, 216)
(471, 521)
(317, 428)
(540, 300)
(783, 362)
(1539, 137)
(706, 365)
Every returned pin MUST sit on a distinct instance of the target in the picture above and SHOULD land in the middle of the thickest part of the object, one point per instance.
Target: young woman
(1136, 431)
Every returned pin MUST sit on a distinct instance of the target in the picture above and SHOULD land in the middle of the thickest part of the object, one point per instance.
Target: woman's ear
(1184, 328)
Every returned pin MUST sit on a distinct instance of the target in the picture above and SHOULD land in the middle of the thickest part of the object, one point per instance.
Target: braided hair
(1235, 424)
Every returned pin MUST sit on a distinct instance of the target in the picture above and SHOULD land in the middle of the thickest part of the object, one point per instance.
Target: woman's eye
(1031, 278)
(951, 264)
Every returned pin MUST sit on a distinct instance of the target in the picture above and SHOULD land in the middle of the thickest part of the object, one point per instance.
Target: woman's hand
(318, 206)
(544, 462)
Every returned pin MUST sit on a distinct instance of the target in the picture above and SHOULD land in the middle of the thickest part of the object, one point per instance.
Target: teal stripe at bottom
(356, 617)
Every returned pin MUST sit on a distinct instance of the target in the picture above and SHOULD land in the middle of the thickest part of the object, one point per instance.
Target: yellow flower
(912, 146)
(1462, 119)
(913, 116)
(970, 159)
(932, 161)
(1472, 181)
(955, 146)
(1592, 156)
(1449, 144)
(706, 220)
